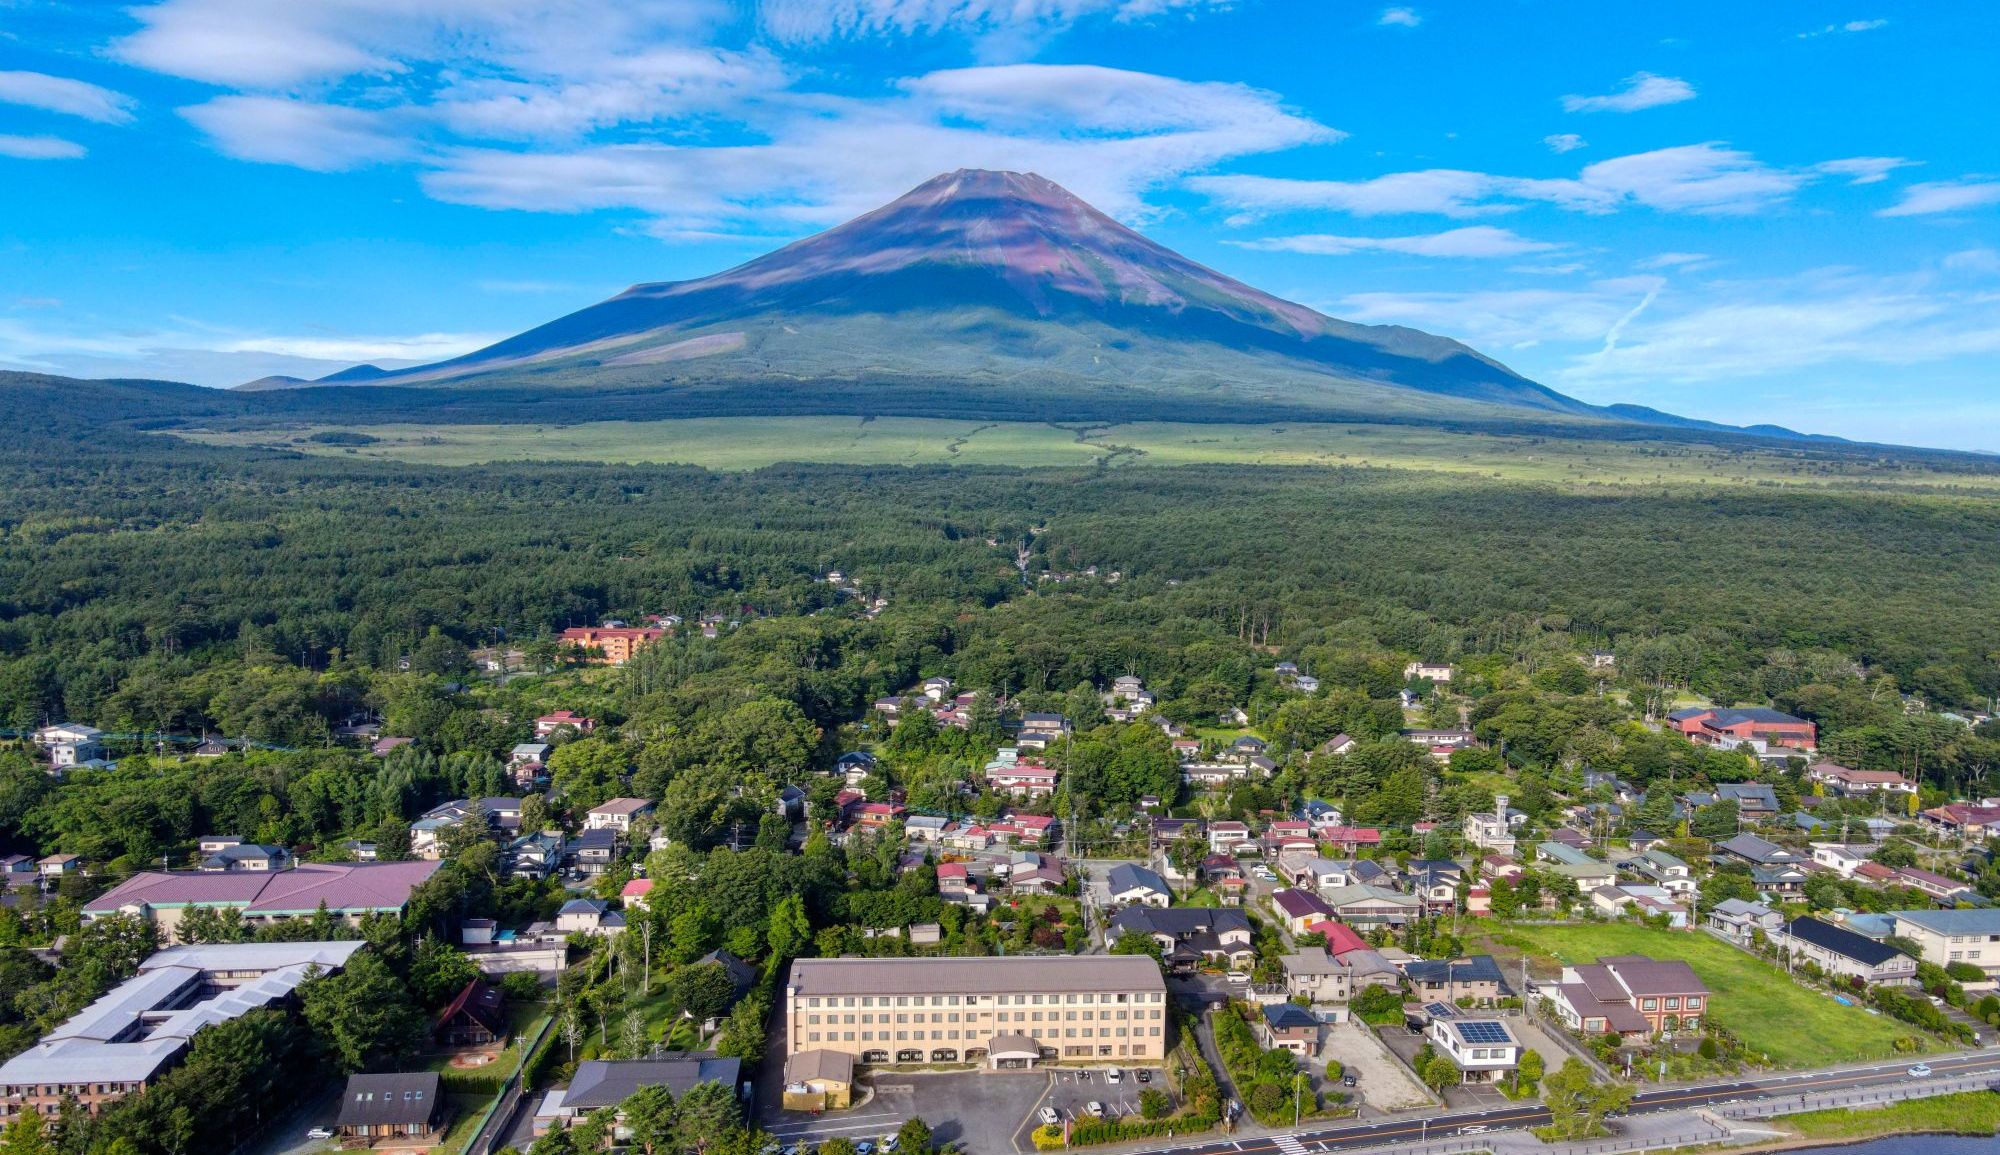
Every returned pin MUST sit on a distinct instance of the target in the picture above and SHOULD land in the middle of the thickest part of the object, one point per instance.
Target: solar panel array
(1484, 1031)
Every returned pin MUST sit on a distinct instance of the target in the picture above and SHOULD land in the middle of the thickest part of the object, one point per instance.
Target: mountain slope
(994, 281)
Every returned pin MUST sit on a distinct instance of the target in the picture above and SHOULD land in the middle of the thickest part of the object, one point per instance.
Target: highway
(1533, 1114)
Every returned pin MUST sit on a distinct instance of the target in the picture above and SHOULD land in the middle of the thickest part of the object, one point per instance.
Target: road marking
(1289, 1144)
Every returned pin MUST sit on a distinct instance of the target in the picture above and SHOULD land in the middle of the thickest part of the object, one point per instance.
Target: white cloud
(1640, 90)
(1107, 134)
(1476, 241)
(1863, 169)
(1850, 26)
(39, 148)
(202, 355)
(816, 21)
(66, 96)
(279, 130)
(1565, 142)
(1944, 197)
(1672, 260)
(1400, 17)
(1985, 261)
(1699, 178)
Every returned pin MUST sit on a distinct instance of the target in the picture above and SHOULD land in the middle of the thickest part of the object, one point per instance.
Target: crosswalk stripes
(1289, 1144)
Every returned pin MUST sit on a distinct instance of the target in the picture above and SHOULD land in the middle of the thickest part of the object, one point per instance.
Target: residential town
(1217, 909)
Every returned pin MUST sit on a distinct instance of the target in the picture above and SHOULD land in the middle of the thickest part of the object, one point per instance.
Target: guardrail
(1770, 1108)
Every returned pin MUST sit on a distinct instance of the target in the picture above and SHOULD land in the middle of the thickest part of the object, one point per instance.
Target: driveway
(1071, 1091)
(287, 1136)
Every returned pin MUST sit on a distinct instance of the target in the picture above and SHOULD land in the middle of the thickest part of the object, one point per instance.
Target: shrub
(1154, 1104)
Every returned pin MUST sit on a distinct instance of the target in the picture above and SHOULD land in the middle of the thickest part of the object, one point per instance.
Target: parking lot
(1069, 1093)
(980, 1110)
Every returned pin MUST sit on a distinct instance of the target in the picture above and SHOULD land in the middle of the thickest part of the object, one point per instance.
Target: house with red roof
(548, 724)
(1348, 839)
(1729, 727)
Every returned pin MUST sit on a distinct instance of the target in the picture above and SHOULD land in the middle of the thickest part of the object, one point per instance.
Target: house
(1666, 871)
(589, 916)
(1839, 951)
(1932, 883)
(1441, 743)
(1434, 882)
(1755, 801)
(1364, 904)
(1780, 878)
(1560, 854)
(1842, 782)
(1630, 995)
(525, 752)
(600, 1083)
(246, 856)
(404, 1105)
(742, 976)
(69, 744)
(1738, 920)
(819, 1080)
(1021, 777)
(18, 870)
(594, 850)
(1323, 977)
(1348, 839)
(1225, 836)
(537, 855)
(1475, 977)
(617, 814)
(954, 881)
(1129, 884)
(1190, 936)
(1482, 1048)
(634, 893)
(1428, 672)
(548, 724)
(60, 865)
(1969, 936)
(1650, 901)
(610, 645)
(1290, 1026)
(1964, 821)
(1164, 832)
(1334, 747)
(1300, 908)
(360, 850)
(1588, 875)
(475, 1017)
(1032, 873)
(1310, 871)
(1840, 857)
(1728, 728)
(1748, 848)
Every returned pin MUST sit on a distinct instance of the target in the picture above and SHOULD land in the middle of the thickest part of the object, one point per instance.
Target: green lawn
(1754, 1000)
(1972, 1113)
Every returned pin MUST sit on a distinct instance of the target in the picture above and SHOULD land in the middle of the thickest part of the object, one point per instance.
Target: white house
(1130, 884)
(617, 814)
(1484, 1049)
(1428, 671)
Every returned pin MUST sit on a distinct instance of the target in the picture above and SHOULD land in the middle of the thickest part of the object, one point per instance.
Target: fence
(502, 1110)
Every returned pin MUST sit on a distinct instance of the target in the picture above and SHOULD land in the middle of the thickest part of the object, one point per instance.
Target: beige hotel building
(1002, 1012)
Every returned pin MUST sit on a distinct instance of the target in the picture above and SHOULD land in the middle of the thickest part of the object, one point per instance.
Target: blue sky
(1785, 213)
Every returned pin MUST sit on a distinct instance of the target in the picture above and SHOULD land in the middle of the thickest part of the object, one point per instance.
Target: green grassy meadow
(741, 443)
(1796, 1027)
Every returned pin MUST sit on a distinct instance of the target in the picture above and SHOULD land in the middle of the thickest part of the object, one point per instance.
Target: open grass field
(738, 443)
(1972, 1113)
(1796, 1027)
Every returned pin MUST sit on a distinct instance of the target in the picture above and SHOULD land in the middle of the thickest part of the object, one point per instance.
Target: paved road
(1532, 1115)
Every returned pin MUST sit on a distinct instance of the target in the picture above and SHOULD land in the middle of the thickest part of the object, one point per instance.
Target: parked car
(1115, 1077)
(320, 1133)
(1145, 1076)
(1347, 1080)
(865, 1147)
(1095, 1108)
(1920, 1071)
(1050, 1117)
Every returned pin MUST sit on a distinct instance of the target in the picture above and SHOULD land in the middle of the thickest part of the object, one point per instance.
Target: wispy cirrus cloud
(1639, 91)
(1474, 241)
(816, 21)
(1710, 178)
(1933, 197)
(1399, 18)
(1565, 142)
(60, 94)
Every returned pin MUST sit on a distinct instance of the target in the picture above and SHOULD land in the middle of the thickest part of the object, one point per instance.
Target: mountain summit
(993, 280)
